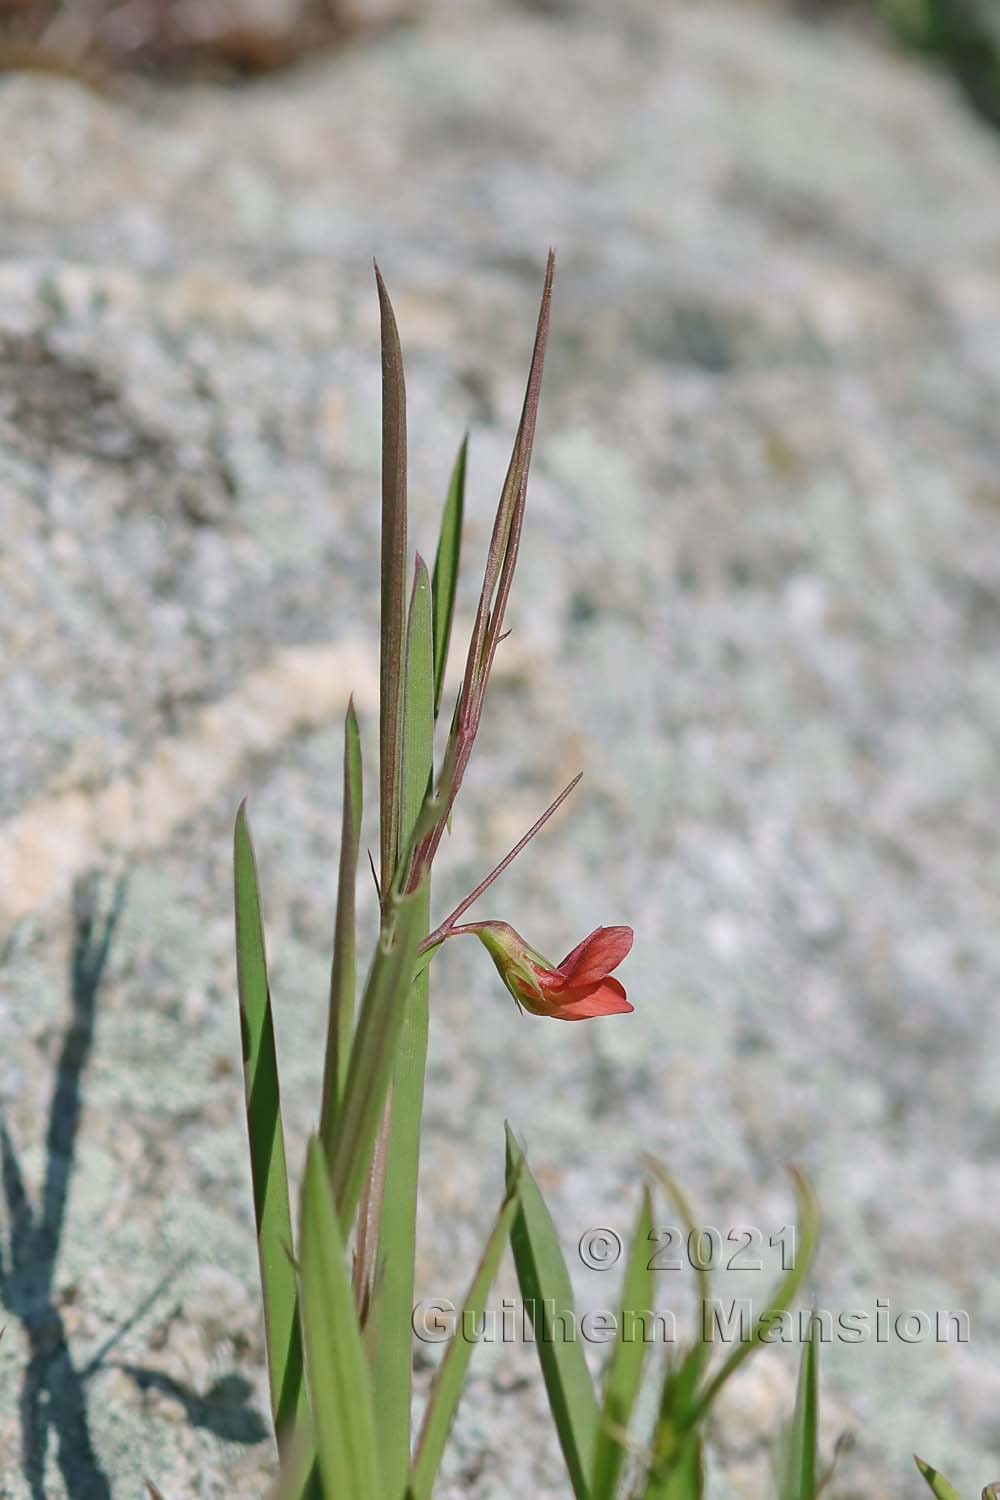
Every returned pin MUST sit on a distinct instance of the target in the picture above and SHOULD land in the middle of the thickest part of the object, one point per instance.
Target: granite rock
(759, 605)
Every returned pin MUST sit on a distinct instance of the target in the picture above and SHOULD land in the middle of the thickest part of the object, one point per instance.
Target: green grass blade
(783, 1297)
(680, 1384)
(383, 1008)
(800, 1476)
(625, 1369)
(267, 1142)
(683, 1478)
(548, 1295)
(298, 1477)
(676, 1469)
(418, 718)
(674, 1463)
(942, 1489)
(393, 1304)
(450, 1377)
(336, 1368)
(393, 582)
(446, 568)
(342, 972)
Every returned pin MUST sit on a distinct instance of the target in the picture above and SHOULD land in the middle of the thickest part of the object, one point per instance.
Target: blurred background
(758, 605)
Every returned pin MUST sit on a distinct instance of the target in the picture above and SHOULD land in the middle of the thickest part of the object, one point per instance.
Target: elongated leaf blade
(547, 1293)
(673, 1416)
(783, 1297)
(267, 1142)
(510, 514)
(383, 1008)
(342, 971)
(501, 559)
(682, 1477)
(625, 1369)
(681, 1381)
(677, 1466)
(298, 1477)
(393, 582)
(800, 1476)
(446, 1391)
(446, 564)
(936, 1480)
(336, 1369)
(418, 733)
(393, 1305)
(498, 577)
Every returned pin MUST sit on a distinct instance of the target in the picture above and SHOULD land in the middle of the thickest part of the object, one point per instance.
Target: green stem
(392, 1301)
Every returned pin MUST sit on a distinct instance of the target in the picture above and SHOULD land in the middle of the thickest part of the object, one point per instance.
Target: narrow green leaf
(625, 1369)
(783, 1297)
(450, 1377)
(267, 1142)
(673, 1416)
(383, 1008)
(340, 1022)
(942, 1489)
(683, 1477)
(393, 1303)
(418, 718)
(446, 568)
(676, 1468)
(393, 582)
(548, 1296)
(800, 1476)
(298, 1478)
(681, 1383)
(336, 1368)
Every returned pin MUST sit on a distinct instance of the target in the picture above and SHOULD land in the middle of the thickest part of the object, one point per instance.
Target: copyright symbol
(600, 1249)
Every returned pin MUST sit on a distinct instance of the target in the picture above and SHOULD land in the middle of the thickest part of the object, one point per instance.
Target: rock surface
(759, 605)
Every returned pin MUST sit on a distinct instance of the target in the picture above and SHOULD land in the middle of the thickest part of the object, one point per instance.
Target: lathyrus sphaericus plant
(339, 1339)
(338, 1330)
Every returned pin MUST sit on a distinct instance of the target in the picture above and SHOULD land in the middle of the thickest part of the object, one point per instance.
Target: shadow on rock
(224, 1409)
(52, 1393)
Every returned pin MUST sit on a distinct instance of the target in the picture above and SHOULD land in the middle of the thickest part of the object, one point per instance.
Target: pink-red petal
(604, 999)
(596, 956)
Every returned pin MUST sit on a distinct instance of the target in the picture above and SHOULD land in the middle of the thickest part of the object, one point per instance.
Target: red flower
(577, 989)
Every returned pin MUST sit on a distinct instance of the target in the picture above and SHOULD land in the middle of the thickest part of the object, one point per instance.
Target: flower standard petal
(597, 955)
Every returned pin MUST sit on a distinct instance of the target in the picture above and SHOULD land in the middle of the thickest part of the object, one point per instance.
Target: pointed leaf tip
(936, 1480)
